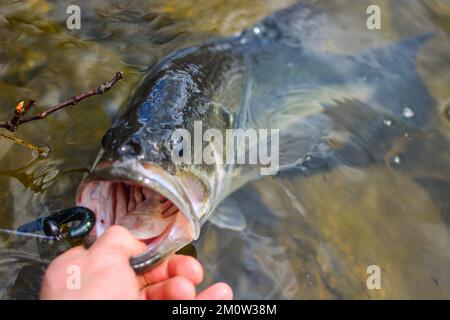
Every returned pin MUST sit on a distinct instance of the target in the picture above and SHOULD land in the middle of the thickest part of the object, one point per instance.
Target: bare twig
(19, 112)
(21, 109)
(27, 145)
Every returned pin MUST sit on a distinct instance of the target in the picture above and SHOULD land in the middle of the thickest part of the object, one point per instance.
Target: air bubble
(43, 151)
(408, 113)
(257, 30)
(396, 160)
(243, 40)
(387, 122)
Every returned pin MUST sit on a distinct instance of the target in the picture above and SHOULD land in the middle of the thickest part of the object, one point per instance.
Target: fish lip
(133, 171)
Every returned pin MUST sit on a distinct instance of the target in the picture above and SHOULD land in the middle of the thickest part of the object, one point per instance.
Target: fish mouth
(151, 203)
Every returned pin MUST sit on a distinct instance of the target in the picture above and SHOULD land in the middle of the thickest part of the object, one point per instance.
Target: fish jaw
(158, 208)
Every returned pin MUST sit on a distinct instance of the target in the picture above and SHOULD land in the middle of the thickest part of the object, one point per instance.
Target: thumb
(119, 238)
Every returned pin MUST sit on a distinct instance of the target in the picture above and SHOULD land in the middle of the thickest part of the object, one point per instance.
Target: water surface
(310, 232)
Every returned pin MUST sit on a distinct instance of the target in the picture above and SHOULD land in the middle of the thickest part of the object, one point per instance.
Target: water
(310, 233)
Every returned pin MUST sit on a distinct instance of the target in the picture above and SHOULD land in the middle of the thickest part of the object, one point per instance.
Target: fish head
(159, 209)
(135, 181)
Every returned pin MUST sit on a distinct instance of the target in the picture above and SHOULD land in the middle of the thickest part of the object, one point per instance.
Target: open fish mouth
(143, 211)
(146, 200)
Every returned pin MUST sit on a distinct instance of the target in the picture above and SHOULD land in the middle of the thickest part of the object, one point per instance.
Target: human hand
(105, 273)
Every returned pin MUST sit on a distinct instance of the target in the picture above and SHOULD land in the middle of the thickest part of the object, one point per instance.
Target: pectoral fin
(229, 216)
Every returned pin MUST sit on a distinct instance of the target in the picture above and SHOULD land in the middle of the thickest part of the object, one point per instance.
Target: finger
(158, 274)
(72, 253)
(186, 266)
(177, 288)
(218, 291)
(119, 238)
(178, 265)
(75, 251)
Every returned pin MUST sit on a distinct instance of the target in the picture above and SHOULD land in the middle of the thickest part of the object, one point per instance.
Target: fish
(271, 76)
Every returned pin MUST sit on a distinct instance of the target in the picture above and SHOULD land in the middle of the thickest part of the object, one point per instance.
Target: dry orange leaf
(19, 107)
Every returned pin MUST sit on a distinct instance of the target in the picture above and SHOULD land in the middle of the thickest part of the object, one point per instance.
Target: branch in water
(39, 150)
(19, 112)
(21, 109)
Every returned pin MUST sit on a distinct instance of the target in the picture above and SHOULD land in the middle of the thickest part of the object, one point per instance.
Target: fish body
(271, 76)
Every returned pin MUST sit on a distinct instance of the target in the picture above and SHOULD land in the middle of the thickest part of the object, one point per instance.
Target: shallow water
(311, 232)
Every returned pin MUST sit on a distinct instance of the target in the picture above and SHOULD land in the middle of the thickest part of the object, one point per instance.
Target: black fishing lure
(54, 225)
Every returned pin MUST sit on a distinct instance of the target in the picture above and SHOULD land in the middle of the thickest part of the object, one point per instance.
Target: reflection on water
(312, 231)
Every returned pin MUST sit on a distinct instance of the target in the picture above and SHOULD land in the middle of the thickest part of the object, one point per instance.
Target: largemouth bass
(272, 76)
